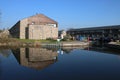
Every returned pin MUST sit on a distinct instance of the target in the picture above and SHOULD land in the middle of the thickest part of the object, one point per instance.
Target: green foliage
(32, 40)
(0, 31)
(6, 40)
(26, 40)
(67, 37)
(49, 39)
(21, 42)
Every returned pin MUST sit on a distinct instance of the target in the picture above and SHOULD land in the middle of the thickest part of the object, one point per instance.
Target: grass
(7, 40)
(25, 40)
(41, 41)
(32, 41)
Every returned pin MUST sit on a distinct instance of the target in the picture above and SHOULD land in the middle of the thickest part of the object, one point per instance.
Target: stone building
(38, 26)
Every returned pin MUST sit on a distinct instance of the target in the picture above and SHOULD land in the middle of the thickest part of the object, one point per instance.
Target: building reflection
(38, 58)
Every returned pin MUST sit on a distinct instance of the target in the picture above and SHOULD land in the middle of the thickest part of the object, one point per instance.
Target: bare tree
(0, 20)
(0, 16)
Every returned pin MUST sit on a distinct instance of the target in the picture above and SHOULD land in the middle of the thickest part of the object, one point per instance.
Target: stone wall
(23, 28)
(42, 32)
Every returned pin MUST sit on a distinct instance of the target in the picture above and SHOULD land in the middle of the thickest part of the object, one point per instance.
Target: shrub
(49, 39)
(67, 37)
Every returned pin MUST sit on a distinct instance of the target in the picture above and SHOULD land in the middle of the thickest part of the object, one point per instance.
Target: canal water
(59, 64)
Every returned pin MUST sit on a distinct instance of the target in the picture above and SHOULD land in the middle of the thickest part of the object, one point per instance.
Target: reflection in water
(104, 50)
(62, 50)
(76, 65)
(5, 53)
(37, 58)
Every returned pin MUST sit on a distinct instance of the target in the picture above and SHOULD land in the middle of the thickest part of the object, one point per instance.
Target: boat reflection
(38, 58)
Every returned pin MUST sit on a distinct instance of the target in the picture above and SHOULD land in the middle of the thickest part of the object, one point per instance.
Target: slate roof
(40, 19)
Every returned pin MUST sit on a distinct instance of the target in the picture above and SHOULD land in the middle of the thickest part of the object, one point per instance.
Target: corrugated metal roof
(97, 28)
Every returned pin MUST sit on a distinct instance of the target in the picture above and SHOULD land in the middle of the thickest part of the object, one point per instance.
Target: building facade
(38, 26)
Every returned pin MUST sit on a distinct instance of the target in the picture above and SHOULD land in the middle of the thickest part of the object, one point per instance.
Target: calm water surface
(59, 64)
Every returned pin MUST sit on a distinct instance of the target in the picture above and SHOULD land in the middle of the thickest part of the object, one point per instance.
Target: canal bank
(67, 44)
(44, 44)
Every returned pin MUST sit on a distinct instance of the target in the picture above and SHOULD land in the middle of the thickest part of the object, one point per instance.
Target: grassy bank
(12, 42)
(32, 41)
(23, 42)
(7, 40)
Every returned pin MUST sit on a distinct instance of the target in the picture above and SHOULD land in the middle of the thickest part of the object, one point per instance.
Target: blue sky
(68, 13)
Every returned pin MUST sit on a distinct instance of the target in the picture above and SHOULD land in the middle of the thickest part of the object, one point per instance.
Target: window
(53, 25)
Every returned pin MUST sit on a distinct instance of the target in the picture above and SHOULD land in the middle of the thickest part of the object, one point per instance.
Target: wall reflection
(37, 58)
